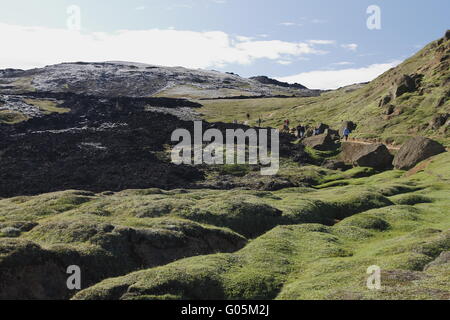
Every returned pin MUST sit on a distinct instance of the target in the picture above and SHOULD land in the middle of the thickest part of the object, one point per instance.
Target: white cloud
(323, 42)
(30, 47)
(343, 63)
(350, 46)
(290, 24)
(140, 8)
(284, 62)
(333, 79)
(275, 49)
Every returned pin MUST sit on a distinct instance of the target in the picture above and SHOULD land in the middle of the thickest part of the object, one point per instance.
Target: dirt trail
(390, 147)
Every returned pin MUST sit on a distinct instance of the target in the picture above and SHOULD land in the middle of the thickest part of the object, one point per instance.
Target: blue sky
(322, 43)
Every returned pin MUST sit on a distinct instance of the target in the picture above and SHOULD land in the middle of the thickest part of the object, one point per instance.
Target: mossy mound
(365, 221)
(185, 244)
(313, 261)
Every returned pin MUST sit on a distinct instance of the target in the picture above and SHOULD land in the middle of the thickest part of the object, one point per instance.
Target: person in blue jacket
(346, 133)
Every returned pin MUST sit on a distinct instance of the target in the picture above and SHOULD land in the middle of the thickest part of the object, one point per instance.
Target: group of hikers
(301, 131)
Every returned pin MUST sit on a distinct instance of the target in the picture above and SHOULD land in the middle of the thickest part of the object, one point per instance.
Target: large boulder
(416, 150)
(320, 142)
(366, 155)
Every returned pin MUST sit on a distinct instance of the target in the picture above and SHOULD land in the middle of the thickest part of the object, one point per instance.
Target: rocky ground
(140, 80)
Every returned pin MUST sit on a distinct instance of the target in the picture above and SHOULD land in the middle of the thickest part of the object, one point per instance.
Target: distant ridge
(267, 80)
(116, 78)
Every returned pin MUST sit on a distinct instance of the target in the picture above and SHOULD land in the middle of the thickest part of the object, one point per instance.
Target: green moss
(312, 261)
(47, 106)
(365, 221)
(247, 218)
(234, 170)
(410, 199)
(11, 117)
(373, 220)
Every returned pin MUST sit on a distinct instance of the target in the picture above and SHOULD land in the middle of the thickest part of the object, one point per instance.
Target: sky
(323, 44)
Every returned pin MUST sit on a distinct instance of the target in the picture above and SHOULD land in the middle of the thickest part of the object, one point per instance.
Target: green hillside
(400, 103)
(399, 223)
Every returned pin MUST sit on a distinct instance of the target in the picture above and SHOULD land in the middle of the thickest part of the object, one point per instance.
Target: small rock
(390, 110)
(334, 165)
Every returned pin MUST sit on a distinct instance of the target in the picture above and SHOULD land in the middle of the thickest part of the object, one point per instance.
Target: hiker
(346, 133)
(287, 122)
(235, 122)
(259, 122)
(248, 116)
(301, 131)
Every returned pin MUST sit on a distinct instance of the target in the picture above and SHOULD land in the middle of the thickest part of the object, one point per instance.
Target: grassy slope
(362, 105)
(387, 219)
(46, 106)
(11, 117)
(395, 221)
(312, 261)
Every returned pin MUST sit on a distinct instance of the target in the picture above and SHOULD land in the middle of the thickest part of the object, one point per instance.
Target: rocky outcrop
(366, 155)
(101, 144)
(443, 259)
(408, 83)
(416, 150)
(130, 79)
(385, 100)
(267, 80)
(438, 121)
(321, 142)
